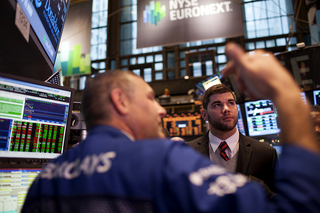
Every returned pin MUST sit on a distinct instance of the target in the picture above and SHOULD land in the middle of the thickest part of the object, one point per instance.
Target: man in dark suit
(225, 145)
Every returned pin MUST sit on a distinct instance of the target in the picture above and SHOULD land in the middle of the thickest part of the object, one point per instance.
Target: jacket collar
(244, 156)
(104, 129)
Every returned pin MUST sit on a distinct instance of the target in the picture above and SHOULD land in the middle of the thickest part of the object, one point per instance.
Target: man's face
(222, 112)
(145, 116)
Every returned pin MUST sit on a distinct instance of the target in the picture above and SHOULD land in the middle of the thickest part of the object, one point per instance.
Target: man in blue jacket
(122, 167)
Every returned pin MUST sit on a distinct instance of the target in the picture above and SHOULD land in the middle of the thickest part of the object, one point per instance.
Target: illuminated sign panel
(189, 20)
(47, 18)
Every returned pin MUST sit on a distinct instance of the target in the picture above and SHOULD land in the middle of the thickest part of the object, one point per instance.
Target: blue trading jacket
(166, 176)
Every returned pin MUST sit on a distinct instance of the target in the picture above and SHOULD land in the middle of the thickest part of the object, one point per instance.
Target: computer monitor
(31, 49)
(240, 124)
(34, 118)
(47, 19)
(202, 86)
(316, 97)
(14, 184)
(183, 124)
(261, 118)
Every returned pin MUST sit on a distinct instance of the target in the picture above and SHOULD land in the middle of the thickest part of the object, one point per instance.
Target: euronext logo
(154, 12)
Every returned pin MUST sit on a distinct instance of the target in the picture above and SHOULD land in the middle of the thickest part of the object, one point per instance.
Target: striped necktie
(223, 146)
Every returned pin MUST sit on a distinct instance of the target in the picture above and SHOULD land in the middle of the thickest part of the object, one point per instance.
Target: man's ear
(204, 114)
(120, 101)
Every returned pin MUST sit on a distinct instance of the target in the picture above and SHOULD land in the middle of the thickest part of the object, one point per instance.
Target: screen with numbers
(261, 118)
(34, 118)
(14, 184)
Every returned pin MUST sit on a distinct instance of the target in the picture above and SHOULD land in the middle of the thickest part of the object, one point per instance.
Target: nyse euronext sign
(183, 9)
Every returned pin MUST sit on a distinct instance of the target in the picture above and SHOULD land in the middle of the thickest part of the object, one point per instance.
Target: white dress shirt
(232, 141)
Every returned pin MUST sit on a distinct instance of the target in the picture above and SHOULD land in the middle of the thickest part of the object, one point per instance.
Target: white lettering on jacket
(224, 184)
(88, 165)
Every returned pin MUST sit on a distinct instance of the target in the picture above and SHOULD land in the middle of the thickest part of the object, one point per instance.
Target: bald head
(96, 101)
(124, 101)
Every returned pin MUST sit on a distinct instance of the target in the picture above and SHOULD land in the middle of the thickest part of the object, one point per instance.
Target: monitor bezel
(247, 120)
(36, 37)
(314, 97)
(37, 161)
(200, 85)
(27, 59)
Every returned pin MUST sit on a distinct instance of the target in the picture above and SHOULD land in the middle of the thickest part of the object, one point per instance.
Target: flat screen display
(34, 118)
(202, 86)
(14, 184)
(261, 118)
(316, 97)
(47, 18)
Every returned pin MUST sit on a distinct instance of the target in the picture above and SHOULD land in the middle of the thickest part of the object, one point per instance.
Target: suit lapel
(203, 144)
(244, 155)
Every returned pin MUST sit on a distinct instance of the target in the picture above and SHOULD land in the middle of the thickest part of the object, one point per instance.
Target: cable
(290, 34)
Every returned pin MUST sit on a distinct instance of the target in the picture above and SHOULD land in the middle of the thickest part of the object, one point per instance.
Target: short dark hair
(215, 89)
(315, 108)
(96, 101)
